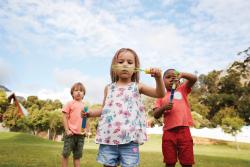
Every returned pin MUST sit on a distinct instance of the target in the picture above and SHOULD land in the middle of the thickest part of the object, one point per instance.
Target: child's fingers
(155, 72)
(179, 75)
(152, 72)
(85, 114)
(69, 132)
(170, 106)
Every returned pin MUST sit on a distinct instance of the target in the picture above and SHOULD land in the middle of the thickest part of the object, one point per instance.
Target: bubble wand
(84, 119)
(172, 92)
(118, 67)
(173, 88)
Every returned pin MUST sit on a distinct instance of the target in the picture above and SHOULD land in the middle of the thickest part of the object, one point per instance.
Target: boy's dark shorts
(75, 144)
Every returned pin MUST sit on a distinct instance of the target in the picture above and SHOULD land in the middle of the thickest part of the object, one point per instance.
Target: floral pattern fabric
(123, 117)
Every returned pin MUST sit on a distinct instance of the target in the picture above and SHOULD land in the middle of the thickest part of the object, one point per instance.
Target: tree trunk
(54, 136)
(237, 144)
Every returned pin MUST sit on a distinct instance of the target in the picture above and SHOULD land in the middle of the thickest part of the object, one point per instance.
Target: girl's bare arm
(159, 90)
(97, 113)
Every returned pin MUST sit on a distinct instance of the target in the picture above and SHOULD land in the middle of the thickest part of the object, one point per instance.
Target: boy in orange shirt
(176, 139)
(72, 121)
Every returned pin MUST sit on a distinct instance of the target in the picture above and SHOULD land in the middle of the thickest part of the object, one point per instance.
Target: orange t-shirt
(180, 114)
(73, 111)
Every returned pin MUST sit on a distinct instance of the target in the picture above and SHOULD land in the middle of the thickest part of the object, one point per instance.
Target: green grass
(23, 150)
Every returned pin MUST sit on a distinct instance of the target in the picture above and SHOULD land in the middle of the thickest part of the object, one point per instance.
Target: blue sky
(46, 45)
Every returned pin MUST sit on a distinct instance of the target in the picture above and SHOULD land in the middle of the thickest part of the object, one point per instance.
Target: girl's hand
(155, 72)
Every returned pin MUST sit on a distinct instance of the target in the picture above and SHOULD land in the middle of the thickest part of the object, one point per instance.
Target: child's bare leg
(76, 162)
(64, 161)
(108, 166)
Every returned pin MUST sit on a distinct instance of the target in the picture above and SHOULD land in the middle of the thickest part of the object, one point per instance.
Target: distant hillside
(4, 88)
(9, 92)
(243, 68)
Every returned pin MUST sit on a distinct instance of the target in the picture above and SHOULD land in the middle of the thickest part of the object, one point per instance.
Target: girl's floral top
(123, 117)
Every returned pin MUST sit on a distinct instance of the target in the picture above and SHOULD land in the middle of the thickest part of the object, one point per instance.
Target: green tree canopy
(3, 103)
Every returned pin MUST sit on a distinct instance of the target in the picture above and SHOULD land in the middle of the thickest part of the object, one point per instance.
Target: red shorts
(178, 142)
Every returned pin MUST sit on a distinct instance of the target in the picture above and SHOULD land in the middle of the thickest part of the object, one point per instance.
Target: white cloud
(63, 95)
(69, 26)
(217, 31)
(94, 85)
(44, 94)
(228, 18)
(206, 35)
(167, 2)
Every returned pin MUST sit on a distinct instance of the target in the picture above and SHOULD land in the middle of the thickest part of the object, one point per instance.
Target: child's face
(78, 94)
(126, 63)
(169, 79)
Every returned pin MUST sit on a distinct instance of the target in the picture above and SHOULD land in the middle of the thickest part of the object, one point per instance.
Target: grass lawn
(23, 150)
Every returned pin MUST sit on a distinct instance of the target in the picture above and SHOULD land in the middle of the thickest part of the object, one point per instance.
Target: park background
(45, 46)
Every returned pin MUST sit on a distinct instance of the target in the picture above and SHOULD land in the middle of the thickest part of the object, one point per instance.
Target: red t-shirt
(73, 110)
(180, 114)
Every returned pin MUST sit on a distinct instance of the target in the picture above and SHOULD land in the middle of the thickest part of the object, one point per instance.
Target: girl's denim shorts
(127, 155)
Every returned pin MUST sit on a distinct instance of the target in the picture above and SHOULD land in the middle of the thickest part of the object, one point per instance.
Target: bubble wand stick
(84, 119)
(172, 92)
(173, 88)
(117, 67)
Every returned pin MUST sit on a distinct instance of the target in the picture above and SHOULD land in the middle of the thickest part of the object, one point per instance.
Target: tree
(197, 106)
(243, 108)
(223, 113)
(232, 126)
(149, 104)
(92, 122)
(55, 123)
(199, 120)
(212, 101)
(3, 103)
(211, 81)
(199, 110)
(32, 99)
(31, 103)
(230, 83)
(13, 120)
(38, 120)
(57, 104)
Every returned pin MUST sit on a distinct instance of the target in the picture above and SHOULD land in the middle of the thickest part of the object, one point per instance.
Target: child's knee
(77, 156)
(65, 154)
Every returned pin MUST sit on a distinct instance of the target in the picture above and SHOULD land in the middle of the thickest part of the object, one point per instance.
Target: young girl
(122, 126)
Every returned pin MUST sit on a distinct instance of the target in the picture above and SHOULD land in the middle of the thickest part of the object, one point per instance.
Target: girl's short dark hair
(77, 85)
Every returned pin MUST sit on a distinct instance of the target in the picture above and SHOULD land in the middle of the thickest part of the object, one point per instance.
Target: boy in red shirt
(176, 140)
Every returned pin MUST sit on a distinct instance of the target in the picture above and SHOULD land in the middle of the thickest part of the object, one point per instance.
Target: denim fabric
(125, 154)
